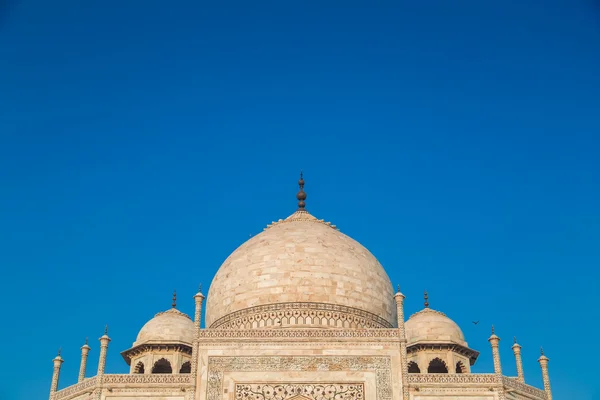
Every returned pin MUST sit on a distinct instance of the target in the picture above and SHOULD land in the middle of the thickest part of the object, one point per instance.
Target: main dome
(301, 271)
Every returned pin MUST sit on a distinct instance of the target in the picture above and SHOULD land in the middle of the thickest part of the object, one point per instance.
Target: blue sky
(140, 144)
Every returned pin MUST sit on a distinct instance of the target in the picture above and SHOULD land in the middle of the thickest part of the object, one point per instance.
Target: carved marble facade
(300, 311)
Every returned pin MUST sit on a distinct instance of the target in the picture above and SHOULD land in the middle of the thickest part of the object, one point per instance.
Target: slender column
(55, 375)
(494, 341)
(104, 340)
(199, 299)
(543, 360)
(517, 350)
(85, 349)
(399, 297)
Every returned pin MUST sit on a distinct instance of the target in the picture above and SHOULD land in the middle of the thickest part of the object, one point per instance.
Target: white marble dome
(431, 326)
(301, 271)
(168, 327)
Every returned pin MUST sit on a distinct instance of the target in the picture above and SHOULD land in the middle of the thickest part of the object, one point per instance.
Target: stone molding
(301, 334)
(452, 379)
(311, 391)
(453, 347)
(147, 379)
(128, 355)
(380, 365)
(282, 314)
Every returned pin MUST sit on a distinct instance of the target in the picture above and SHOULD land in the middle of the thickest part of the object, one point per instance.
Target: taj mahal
(300, 311)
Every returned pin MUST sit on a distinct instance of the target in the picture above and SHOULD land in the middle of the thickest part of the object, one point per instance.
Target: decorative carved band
(155, 347)
(300, 313)
(380, 366)
(452, 379)
(77, 389)
(284, 391)
(284, 334)
(147, 379)
(513, 383)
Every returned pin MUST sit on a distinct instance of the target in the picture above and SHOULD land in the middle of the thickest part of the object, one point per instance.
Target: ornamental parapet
(285, 335)
(480, 380)
(85, 386)
(110, 381)
(512, 384)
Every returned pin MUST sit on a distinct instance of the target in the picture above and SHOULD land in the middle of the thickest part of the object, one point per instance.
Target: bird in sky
(475, 322)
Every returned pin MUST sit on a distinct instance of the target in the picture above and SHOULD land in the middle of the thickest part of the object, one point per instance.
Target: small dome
(430, 326)
(302, 260)
(170, 326)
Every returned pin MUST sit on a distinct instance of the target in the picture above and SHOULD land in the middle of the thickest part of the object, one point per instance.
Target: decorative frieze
(300, 313)
(312, 391)
(384, 334)
(381, 366)
(515, 384)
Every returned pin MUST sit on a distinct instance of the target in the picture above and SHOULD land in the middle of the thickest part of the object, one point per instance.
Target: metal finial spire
(106, 330)
(426, 300)
(200, 288)
(493, 332)
(398, 289)
(301, 196)
(60, 351)
(174, 304)
(542, 350)
(86, 341)
(515, 340)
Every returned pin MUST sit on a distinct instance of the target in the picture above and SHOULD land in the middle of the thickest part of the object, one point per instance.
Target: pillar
(494, 340)
(85, 349)
(56, 374)
(517, 350)
(399, 297)
(543, 360)
(199, 299)
(104, 340)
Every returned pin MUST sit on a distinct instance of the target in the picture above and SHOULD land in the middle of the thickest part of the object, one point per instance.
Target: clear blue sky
(141, 143)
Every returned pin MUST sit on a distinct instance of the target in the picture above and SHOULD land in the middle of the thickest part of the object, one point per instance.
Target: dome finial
(60, 351)
(493, 330)
(515, 340)
(542, 350)
(87, 340)
(426, 300)
(301, 196)
(106, 330)
(174, 304)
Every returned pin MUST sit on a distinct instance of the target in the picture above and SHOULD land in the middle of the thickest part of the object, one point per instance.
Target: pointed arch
(437, 366)
(139, 368)
(186, 368)
(460, 368)
(413, 368)
(162, 366)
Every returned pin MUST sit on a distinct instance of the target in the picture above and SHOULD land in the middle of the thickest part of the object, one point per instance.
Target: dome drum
(297, 314)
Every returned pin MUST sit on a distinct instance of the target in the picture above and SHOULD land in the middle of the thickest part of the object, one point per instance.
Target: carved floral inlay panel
(379, 365)
(320, 391)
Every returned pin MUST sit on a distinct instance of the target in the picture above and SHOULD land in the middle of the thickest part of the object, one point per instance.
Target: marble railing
(514, 384)
(452, 379)
(86, 385)
(146, 379)
(476, 379)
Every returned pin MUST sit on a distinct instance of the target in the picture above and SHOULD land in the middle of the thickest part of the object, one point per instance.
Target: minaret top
(301, 196)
